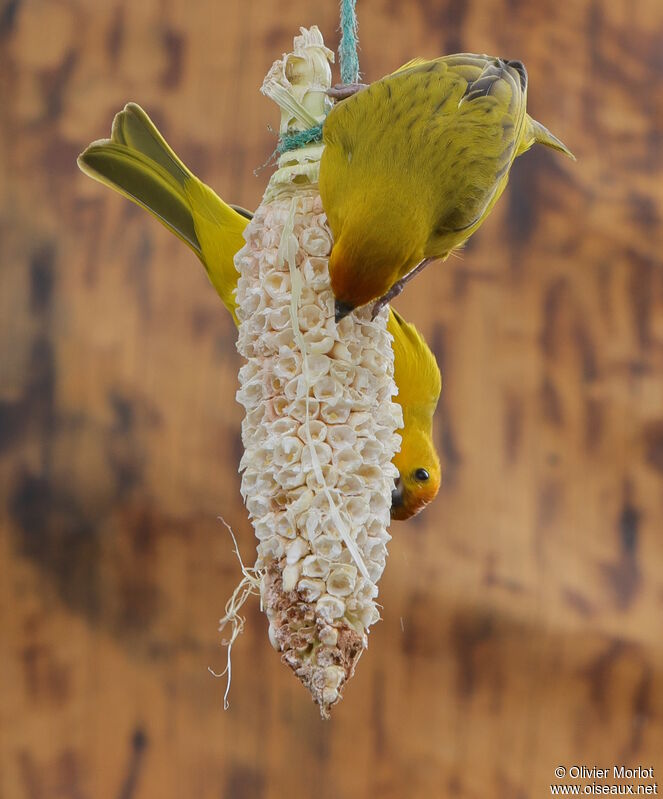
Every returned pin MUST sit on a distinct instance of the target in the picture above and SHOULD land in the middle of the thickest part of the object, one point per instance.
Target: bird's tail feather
(143, 181)
(138, 163)
(133, 128)
(539, 134)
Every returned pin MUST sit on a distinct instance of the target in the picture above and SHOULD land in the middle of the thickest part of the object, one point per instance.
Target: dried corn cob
(319, 431)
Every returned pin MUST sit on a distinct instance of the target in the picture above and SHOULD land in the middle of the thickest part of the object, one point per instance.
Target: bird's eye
(421, 475)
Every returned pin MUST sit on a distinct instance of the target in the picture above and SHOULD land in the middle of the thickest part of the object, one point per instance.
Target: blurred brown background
(522, 611)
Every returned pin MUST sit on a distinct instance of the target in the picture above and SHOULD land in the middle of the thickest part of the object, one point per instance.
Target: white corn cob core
(319, 431)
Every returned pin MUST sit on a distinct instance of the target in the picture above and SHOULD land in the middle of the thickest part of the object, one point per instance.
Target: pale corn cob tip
(319, 432)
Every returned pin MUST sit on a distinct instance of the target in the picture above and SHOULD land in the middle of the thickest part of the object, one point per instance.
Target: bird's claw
(394, 291)
(398, 286)
(379, 305)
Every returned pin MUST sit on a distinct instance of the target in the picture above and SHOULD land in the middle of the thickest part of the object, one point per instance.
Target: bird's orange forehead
(340, 277)
(414, 499)
(357, 278)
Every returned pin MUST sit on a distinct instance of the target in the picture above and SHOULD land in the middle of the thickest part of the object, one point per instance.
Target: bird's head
(363, 266)
(419, 474)
(419, 383)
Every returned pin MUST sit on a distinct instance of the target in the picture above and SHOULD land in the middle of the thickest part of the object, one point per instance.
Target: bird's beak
(397, 495)
(341, 310)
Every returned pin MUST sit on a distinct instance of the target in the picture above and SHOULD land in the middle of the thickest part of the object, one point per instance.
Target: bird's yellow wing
(442, 132)
(138, 163)
(476, 139)
(415, 62)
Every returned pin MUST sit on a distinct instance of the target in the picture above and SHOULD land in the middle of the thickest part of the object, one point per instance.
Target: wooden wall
(522, 611)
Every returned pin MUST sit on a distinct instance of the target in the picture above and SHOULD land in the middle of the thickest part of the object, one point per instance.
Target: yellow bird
(414, 163)
(138, 163)
(419, 384)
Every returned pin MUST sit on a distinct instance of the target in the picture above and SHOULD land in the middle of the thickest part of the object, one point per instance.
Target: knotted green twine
(291, 141)
(347, 49)
(349, 62)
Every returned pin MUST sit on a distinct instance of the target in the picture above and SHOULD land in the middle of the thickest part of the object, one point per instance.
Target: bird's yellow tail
(536, 133)
(138, 163)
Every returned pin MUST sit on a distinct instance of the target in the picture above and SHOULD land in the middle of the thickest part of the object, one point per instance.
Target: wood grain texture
(522, 611)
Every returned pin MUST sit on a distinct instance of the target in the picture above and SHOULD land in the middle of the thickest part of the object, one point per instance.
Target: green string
(347, 49)
(300, 138)
(349, 61)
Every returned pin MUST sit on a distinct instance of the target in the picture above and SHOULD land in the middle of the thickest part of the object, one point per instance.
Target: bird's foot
(393, 292)
(398, 286)
(341, 91)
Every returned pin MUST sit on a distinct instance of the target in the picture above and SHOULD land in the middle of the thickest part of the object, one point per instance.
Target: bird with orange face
(414, 163)
(419, 384)
(138, 163)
